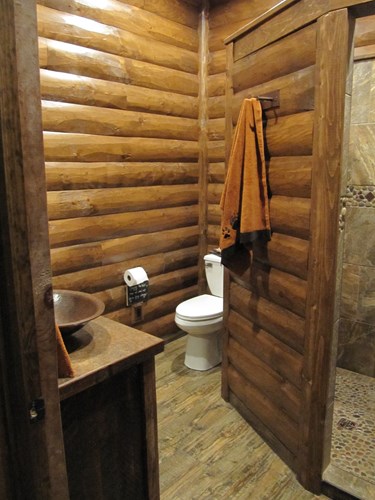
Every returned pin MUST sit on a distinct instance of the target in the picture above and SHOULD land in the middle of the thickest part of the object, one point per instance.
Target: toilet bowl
(202, 318)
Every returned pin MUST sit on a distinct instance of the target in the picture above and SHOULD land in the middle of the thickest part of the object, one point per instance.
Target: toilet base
(203, 351)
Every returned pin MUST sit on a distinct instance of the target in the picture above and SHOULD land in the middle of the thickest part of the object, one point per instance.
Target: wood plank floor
(207, 450)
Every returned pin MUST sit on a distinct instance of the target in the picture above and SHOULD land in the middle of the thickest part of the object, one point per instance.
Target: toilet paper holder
(136, 286)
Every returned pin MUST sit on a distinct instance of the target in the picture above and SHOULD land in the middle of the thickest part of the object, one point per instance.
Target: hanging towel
(244, 201)
(64, 365)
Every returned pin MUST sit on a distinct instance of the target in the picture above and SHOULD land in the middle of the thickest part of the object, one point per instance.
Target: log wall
(225, 18)
(281, 312)
(119, 85)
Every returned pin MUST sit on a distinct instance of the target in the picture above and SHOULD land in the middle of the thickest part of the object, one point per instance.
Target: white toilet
(202, 318)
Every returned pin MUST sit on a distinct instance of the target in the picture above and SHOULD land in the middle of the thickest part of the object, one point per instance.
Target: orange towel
(244, 201)
(64, 365)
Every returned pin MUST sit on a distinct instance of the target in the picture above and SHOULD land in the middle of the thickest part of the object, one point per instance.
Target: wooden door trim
(27, 339)
(333, 37)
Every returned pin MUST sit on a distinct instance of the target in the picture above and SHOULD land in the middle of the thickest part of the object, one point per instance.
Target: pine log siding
(119, 88)
(281, 312)
(224, 19)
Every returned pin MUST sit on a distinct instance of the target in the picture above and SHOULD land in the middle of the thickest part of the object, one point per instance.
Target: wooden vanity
(108, 413)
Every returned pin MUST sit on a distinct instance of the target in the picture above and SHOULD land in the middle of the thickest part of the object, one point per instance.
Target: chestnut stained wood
(134, 19)
(287, 21)
(93, 175)
(111, 275)
(66, 87)
(301, 99)
(87, 202)
(286, 361)
(114, 382)
(266, 379)
(334, 31)
(56, 25)
(114, 298)
(283, 324)
(64, 117)
(277, 286)
(82, 256)
(304, 205)
(32, 462)
(101, 227)
(88, 147)
(69, 58)
(269, 63)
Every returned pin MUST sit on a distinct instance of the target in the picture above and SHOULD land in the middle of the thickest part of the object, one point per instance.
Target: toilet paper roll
(135, 276)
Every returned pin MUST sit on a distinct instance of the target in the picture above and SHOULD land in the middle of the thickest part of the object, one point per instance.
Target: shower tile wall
(356, 346)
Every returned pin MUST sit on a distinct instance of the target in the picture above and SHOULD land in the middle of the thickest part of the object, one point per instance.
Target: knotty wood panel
(225, 18)
(287, 296)
(119, 83)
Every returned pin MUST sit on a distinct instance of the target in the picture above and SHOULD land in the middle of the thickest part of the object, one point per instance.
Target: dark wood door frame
(32, 463)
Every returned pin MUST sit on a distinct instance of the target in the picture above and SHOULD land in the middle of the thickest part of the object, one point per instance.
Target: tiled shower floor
(353, 435)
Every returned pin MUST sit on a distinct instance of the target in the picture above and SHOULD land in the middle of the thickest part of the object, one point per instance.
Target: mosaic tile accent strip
(360, 196)
(353, 433)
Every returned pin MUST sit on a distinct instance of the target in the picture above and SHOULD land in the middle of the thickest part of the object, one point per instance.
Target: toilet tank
(214, 274)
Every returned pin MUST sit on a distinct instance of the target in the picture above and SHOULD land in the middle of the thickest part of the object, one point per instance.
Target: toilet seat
(201, 308)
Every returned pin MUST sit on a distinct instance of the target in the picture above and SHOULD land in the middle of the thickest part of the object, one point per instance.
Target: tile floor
(353, 435)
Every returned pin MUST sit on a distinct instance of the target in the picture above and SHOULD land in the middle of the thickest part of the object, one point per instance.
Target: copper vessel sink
(74, 309)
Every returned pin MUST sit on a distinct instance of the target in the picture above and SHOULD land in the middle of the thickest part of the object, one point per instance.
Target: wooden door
(280, 312)
(32, 463)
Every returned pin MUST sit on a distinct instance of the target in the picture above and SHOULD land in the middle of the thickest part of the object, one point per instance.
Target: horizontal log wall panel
(75, 175)
(285, 361)
(288, 21)
(216, 129)
(273, 417)
(96, 228)
(66, 87)
(238, 10)
(216, 151)
(83, 256)
(290, 175)
(120, 88)
(88, 202)
(213, 214)
(290, 216)
(216, 172)
(364, 33)
(284, 252)
(219, 34)
(114, 298)
(57, 25)
(277, 286)
(301, 99)
(213, 234)
(155, 308)
(214, 193)
(266, 379)
(270, 63)
(290, 135)
(164, 327)
(216, 107)
(112, 275)
(85, 147)
(63, 117)
(216, 85)
(175, 10)
(283, 324)
(129, 18)
(217, 62)
(69, 58)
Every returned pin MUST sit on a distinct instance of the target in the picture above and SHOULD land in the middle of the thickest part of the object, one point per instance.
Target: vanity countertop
(103, 348)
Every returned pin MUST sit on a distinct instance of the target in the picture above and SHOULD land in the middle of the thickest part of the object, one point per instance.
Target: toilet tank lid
(211, 257)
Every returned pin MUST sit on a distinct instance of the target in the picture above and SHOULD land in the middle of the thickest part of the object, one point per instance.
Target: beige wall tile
(360, 236)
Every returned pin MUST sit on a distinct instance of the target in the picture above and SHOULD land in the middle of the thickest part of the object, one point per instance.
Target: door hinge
(37, 410)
